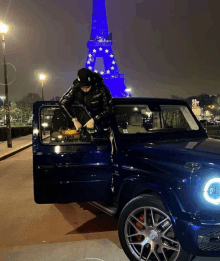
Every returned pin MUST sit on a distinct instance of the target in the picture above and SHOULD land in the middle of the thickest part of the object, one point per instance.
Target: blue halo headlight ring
(212, 187)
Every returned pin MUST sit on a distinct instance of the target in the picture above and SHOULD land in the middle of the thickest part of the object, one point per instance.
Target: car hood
(180, 153)
(207, 145)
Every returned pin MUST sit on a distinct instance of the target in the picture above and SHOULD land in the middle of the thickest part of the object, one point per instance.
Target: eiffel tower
(100, 46)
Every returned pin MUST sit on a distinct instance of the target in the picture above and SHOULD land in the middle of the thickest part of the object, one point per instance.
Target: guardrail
(215, 137)
(15, 132)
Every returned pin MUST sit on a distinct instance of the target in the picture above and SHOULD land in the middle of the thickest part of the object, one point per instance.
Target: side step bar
(107, 209)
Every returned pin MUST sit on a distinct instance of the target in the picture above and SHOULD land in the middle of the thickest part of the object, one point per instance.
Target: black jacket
(98, 101)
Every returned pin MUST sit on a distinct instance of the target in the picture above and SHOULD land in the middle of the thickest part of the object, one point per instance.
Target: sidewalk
(18, 144)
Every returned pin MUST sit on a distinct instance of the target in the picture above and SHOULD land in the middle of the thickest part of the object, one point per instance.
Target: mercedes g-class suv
(154, 169)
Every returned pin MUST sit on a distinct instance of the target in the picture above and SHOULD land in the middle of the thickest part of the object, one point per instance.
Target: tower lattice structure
(100, 45)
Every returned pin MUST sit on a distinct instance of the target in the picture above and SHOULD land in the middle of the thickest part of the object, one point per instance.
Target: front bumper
(209, 239)
(200, 238)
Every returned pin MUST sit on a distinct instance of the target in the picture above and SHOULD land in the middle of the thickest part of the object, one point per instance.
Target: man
(88, 90)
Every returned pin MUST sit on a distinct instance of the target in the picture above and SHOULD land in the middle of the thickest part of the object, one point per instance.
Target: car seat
(135, 123)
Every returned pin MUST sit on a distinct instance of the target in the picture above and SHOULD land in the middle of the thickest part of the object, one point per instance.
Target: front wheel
(146, 232)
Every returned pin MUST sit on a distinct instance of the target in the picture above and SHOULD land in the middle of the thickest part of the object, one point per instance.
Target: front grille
(209, 239)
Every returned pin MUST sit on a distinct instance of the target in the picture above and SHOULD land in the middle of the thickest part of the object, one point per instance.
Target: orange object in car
(70, 132)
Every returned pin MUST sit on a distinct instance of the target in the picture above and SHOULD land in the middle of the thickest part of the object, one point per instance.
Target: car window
(133, 119)
(176, 116)
(56, 128)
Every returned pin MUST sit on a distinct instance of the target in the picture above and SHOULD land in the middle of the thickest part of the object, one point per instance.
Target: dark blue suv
(154, 169)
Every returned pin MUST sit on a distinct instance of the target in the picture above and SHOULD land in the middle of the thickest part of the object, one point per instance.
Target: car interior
(140, 119)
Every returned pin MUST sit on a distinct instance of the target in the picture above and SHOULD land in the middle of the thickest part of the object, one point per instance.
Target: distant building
(202, 105)
(204, 100)
(197, 110)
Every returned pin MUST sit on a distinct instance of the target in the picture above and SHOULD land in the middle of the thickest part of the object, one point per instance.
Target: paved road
(69, 232)
(27, 225)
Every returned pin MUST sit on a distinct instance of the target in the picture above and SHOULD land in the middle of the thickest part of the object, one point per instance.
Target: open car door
(67, 166)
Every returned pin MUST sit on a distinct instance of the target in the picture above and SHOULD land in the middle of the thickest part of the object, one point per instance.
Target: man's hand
(77, 125)
(90, 124)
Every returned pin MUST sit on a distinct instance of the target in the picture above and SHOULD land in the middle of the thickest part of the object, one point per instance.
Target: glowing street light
(3, 28)
(3, 31)
(128, 90)
(42, 78)
(2, 98)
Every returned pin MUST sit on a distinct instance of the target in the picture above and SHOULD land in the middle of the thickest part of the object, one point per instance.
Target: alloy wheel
(149, 235)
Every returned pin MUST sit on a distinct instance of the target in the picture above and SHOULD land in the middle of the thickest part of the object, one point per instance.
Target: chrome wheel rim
(149, 235)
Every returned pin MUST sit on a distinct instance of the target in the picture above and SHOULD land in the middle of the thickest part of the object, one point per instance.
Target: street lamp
(128, 90)
(42, 79)
(3, 31)
(2, 98)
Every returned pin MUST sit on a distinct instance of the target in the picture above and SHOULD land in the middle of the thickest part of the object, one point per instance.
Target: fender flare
(139, 185)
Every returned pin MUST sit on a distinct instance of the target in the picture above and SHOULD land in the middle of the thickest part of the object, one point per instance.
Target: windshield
(153, 118)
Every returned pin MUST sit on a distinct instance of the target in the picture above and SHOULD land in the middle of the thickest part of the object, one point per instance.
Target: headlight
(212, 191)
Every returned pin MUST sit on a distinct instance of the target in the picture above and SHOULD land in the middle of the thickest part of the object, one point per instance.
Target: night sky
(163, 47)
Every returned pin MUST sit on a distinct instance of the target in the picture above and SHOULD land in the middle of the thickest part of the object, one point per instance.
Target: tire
(149, 240)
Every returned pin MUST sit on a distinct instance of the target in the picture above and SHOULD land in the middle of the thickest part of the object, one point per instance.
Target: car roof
(137, 100)
(131, 100)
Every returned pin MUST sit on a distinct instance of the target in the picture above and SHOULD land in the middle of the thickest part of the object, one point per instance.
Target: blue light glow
(100, 45)
(212, 191)
(195, 227)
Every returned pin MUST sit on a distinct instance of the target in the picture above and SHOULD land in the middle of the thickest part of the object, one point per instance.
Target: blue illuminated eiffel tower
(100, 46)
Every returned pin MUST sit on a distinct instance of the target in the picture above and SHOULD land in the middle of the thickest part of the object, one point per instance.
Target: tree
(14, 111)
(176, 97)
(217, 105)
(26, 104)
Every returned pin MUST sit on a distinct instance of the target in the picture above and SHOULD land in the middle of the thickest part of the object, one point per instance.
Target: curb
(15, 152)
(214, 136)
